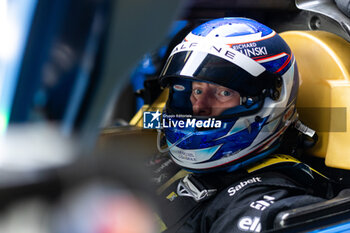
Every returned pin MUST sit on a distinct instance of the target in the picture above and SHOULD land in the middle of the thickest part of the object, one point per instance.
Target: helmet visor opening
(204, 100)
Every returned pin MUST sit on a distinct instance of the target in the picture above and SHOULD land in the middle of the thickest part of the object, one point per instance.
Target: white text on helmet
(223, 51)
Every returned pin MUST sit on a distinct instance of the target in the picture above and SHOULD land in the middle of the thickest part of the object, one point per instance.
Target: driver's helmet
(249, 58)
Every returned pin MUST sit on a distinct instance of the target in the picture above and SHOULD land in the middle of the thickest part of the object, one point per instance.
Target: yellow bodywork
(324, 95)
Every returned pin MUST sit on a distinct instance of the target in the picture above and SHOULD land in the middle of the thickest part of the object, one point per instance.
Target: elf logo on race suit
(262, 204)
(249, 224)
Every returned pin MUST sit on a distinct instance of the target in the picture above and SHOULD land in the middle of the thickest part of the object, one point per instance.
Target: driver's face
(211, 100)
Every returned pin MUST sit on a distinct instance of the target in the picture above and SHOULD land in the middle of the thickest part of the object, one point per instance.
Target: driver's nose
(202, 105)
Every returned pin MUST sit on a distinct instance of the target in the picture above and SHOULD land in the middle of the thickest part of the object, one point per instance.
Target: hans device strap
(184, 193)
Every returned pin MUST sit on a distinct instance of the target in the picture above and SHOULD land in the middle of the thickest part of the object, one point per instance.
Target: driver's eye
(225, 93)
(197, 91)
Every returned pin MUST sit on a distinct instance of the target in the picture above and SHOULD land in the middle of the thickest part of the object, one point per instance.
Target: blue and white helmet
(245, 56)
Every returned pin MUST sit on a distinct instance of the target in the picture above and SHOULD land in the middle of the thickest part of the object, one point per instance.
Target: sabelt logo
(232, 191)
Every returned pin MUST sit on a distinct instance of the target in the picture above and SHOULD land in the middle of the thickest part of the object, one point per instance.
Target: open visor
(179, 102)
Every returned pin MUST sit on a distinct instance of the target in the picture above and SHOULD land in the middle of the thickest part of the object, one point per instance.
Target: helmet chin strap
(164, 150)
